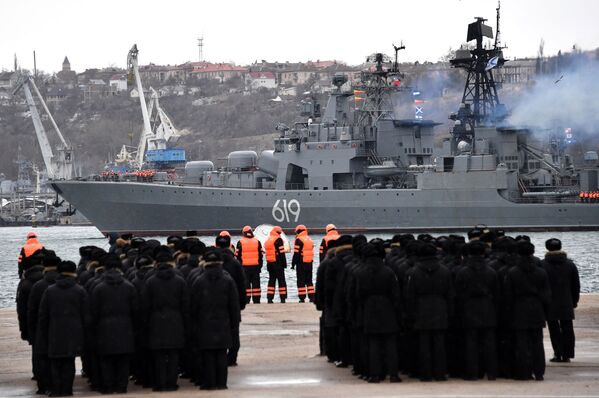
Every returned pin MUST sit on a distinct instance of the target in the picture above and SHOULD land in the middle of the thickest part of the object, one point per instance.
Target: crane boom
(40, 131)
(147, 130)
(64, 142)
(57, 167)
(162, 127)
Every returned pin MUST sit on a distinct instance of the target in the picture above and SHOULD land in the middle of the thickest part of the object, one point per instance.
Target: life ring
(354, 145)
(334, 146)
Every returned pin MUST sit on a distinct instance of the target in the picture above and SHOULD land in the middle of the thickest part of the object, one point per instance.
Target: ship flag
(492, 63)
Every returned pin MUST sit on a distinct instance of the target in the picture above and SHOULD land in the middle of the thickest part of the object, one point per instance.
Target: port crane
(158, 129)
(58, 165)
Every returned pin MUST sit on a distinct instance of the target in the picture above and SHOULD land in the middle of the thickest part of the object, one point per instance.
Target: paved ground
(278, 359)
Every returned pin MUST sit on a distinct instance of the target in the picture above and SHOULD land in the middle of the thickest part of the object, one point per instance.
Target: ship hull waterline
(160, 209)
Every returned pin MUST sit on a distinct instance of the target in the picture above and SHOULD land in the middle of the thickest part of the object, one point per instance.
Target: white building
(262, 79)
(118, 83)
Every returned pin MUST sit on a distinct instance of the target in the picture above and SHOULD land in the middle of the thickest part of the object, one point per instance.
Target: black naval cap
(127, 236)
(212, 256)
(97, 254)
(137, 242)
(359, 240)
(488, 236)
(110, 261)
(553, 245)
(413, 247)
(223, 241)
(66, 266)
(143, 261)
(173, 239)
(520, 238)
(344, 240)
(85, 251)
(427, 250)
(525, 248)
(476, 248)
(198, 248)
(372, 250)
(51, 261)
(163, 254)
(474, 233)
(426, 237)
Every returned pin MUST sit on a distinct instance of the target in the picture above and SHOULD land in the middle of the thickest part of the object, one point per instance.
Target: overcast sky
(100, 33)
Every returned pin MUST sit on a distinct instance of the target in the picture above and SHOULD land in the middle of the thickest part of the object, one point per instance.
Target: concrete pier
(279, 358)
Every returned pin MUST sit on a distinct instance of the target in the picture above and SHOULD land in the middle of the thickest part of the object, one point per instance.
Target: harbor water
(65, 241)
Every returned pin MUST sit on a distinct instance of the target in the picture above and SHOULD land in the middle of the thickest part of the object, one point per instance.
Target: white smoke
(569, 98)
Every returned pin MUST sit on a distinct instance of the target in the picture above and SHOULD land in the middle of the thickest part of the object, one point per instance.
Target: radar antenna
(373, 97)
(397, 49)
(480, 98)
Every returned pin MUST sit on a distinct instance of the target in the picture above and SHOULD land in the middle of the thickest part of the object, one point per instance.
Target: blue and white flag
(492, 63)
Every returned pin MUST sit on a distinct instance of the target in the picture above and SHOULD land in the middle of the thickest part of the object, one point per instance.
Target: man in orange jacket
(331, 234)
(31, 246)
(276, 264)
(249, 254)
(303, 257)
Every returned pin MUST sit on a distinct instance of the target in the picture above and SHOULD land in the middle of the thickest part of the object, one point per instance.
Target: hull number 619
(288, 211)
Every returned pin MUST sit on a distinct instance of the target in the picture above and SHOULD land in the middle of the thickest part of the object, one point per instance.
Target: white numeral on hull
(283, 208)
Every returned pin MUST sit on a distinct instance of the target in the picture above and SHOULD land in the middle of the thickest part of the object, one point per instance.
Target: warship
(357, 165)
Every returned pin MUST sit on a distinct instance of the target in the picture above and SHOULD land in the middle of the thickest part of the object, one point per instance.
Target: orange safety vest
(308, 248)
(31, 246)
(332, 235)
(250, 248)
(269, 247)
(581, 195)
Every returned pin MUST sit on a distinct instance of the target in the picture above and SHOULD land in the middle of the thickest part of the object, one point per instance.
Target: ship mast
(372, 97)
(480, 101)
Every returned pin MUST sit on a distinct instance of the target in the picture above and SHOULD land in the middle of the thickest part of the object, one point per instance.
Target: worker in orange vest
(276, 264)
(581, 196)
(331, 234)
(249, 254)
(303, 256)
(31, 246)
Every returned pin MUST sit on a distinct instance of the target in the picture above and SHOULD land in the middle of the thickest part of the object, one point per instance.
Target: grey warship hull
(157, 209)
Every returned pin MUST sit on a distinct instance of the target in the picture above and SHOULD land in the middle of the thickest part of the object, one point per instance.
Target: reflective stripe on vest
(249, 251)
(269, 247)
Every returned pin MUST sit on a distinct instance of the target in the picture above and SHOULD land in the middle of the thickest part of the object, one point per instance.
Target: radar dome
(463, 146)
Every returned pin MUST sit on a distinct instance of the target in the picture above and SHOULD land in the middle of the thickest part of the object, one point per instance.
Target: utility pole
(201, 48)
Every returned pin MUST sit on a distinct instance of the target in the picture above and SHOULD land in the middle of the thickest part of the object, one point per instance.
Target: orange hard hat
(31, 235)
(300, 228)
(277, 229)
(330, 227)
(224, 233)
(247, 228)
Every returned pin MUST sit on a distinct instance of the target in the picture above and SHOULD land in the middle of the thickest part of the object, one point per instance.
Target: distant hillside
(98, 129)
